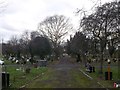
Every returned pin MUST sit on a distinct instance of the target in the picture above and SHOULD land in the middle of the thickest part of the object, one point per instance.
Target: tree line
(44, 42)
(100, 33)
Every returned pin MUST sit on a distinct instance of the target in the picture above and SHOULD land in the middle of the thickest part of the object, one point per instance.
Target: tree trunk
(31, 60)
(102, 46)
(101, 63)
(78, 58)
(84, 61)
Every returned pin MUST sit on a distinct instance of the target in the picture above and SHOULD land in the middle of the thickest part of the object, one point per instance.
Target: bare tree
(13, 40)
(55, 28)
(24, 41)
(102, 25)
(26, 36)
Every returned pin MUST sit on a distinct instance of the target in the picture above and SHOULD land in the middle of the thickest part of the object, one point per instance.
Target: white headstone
(108, 60)
(17, 61)
(1, 62)
(13, 59)
(28, 60)
(23, 57)
(10, 58)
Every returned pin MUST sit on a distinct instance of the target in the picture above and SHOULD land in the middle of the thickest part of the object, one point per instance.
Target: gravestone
(93, 69)
(90, 68)
(42, 63)
(106, 75)
(5, 79)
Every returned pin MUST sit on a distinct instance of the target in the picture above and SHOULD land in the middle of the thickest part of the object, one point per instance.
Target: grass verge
(19, 78)
(101, 78)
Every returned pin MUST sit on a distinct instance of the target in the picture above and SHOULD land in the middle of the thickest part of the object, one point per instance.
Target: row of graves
(114, 60)
(27, 60)
(23, 64)
(90, 67)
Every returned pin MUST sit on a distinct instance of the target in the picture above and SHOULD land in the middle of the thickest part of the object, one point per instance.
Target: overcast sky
(19, 15)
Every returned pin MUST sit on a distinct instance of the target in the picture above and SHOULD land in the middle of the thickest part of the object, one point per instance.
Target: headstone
(35, 65)
(42, 63)
(5, 79)
(90, 68)
(106, 75)
(93, 69)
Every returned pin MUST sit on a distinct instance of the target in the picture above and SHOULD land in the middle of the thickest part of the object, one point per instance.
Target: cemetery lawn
(101, 78)
(20, 78)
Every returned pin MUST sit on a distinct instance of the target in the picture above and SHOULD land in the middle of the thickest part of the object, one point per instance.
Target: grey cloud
(6, 26)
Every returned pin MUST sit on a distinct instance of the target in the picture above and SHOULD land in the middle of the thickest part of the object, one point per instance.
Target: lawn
(101, 78)
(81, 81)
(19, 78)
